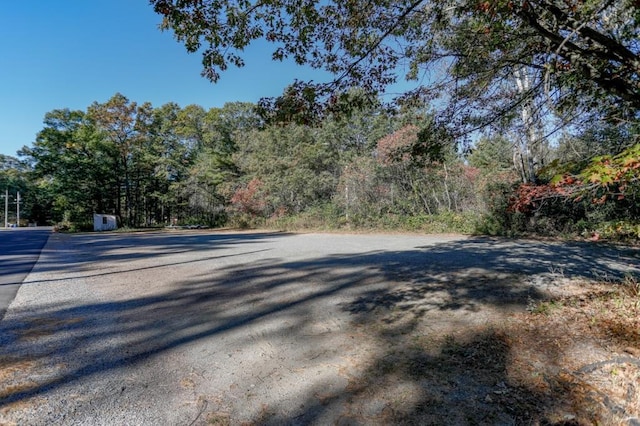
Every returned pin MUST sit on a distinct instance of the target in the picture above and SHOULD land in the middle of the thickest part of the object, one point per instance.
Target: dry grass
(571, 360)
(583, 354)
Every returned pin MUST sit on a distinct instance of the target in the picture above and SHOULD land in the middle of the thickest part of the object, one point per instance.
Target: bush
(621, 230)
(332, 217)
(66, 226)
(245, 221)
(499, 219)
(323, 217)
(563, 216)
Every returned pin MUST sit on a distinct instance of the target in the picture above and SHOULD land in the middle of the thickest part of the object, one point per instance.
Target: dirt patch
(14, 378)
(35, 328)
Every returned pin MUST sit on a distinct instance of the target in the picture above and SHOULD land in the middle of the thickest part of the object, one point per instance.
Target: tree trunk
(531, 123)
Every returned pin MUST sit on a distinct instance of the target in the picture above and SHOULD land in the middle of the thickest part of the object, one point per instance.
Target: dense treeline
(523, 118)
(237, 164)
(146, 165)
(373, 167)
(525, 72)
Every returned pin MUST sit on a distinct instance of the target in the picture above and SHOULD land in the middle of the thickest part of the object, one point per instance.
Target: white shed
(104, 222)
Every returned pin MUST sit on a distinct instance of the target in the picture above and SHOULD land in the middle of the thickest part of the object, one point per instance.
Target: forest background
(529, 126)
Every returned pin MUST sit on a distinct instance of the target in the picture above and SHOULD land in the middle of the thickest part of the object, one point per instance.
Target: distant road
(19, 251)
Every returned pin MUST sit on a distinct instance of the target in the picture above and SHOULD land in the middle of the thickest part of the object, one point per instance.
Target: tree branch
(380, 39)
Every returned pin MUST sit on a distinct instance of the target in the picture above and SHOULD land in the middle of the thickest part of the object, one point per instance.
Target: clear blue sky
(70, 53)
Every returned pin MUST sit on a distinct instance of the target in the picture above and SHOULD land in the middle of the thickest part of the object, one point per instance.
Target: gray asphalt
(198, 327)
(19, 251)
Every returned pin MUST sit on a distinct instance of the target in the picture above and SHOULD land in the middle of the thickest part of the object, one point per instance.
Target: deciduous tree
(467, 52)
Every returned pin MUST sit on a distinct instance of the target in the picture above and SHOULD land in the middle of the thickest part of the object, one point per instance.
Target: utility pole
(18, 211)
(6, 207)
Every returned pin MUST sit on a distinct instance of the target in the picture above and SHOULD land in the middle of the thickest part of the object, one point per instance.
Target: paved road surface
(19, 251)
(202, 327)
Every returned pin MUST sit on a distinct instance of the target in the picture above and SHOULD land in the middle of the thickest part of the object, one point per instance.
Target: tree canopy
(335, 151)
(576, 53)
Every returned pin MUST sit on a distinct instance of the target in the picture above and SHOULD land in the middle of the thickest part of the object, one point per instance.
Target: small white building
(104, 222)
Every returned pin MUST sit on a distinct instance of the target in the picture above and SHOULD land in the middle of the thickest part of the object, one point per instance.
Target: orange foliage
(396, 147)
(248, 199)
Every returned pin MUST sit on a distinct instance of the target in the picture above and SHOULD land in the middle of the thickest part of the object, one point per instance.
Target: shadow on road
(458, 277)
(81, 252)
(19, 251)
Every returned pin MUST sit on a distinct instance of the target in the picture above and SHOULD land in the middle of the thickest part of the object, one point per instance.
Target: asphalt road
(19, 251)
(203, 327)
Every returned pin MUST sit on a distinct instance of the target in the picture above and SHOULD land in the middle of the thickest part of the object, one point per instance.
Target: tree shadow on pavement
(77, 253)
(289, 318)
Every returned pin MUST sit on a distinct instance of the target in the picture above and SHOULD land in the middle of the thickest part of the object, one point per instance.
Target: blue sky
(70, 53)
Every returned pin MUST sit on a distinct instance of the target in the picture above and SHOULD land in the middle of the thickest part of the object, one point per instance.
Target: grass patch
(328, 218)
(218, 419)
(544, 307)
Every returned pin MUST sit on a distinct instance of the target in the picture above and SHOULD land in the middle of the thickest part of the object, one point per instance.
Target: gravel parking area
(202, 327)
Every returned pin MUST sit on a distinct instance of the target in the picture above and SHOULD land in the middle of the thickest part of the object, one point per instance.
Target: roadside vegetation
(374, 169)
(514, 118)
